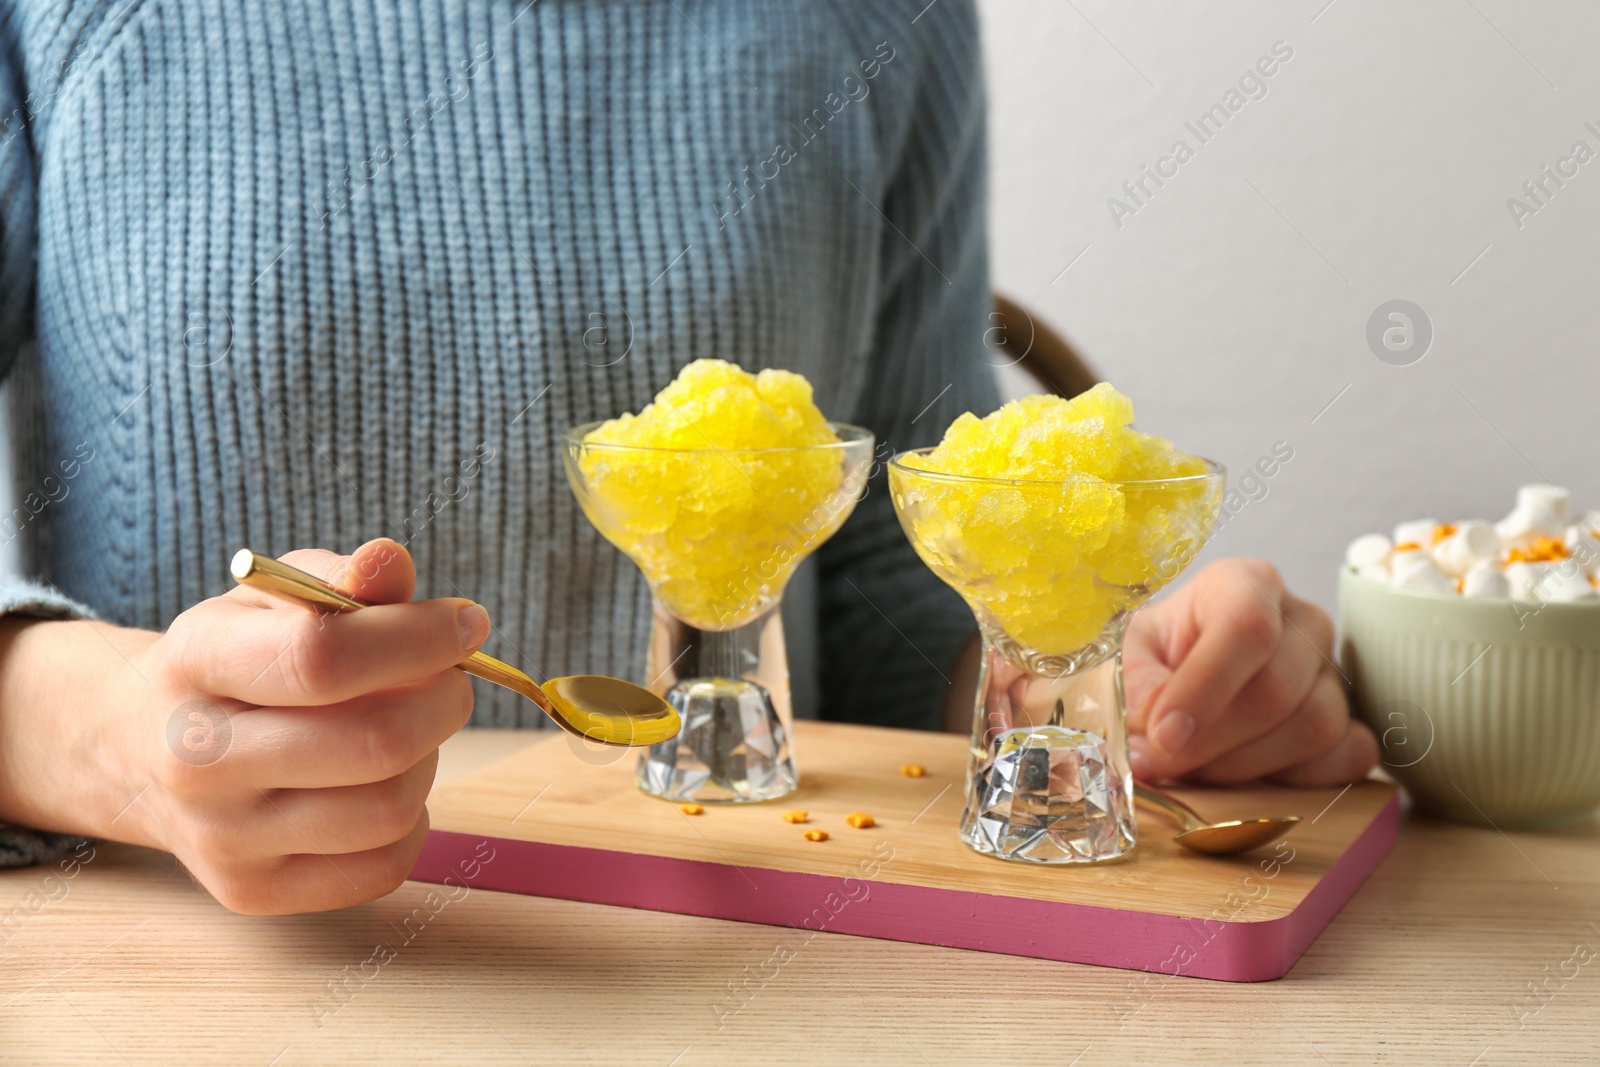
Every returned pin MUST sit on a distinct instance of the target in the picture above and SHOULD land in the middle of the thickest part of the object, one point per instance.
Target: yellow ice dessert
(1061, 536)
(717, 489)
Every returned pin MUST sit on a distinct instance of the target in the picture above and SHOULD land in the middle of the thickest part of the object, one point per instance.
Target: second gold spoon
(592, 706)
(1213, 838)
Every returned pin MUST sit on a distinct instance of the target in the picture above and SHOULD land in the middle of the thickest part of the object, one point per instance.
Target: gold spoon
(1213, 838)
(594, 707)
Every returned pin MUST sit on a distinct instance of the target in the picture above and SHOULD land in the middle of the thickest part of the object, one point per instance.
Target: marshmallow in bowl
(1415, 532)
(1485, 580)
(1407, 552)
(1468, 545)
(1536, 553)
(1589, 559)
(1368, 550)
(1421, 574)
(1550, 500)
(1566, 581)
(1541, 511)
(1584, 544)
(1527, 578)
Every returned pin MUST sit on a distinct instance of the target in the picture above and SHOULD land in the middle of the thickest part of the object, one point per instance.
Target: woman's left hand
(1232, 679)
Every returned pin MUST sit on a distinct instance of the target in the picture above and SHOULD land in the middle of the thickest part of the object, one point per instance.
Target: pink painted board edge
(1234, 951)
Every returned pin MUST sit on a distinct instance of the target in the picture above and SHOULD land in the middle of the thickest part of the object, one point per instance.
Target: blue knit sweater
(306, 272)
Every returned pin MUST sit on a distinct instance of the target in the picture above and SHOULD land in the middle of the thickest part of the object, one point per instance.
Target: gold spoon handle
(1172, 807)
(290, 583)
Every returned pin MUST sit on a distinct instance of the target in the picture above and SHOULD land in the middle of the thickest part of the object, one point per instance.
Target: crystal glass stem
(732, 690)
(1048, 780)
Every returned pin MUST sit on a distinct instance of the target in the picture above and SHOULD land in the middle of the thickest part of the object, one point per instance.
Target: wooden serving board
(559, 820)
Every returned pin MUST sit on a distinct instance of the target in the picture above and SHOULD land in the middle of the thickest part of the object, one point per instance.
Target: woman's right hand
(285, 755)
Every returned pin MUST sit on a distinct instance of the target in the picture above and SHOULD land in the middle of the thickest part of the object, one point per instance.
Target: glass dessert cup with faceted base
(717, 533)
(1053, 571)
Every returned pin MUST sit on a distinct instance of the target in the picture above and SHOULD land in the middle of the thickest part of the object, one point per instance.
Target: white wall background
(1232, 307)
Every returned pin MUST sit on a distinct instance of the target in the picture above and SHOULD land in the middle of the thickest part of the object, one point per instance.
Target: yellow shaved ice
(1064, 539)
(716, 525)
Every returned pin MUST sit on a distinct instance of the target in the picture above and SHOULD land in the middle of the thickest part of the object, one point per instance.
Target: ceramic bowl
(1487, 710)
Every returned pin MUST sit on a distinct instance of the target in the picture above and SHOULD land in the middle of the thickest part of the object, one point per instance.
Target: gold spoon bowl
(591, 706)
(1213, 838)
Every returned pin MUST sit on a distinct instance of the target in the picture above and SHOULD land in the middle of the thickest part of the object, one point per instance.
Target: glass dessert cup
(717, 533)
(1053, 571)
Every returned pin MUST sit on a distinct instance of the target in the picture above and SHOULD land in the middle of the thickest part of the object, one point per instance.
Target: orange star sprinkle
(1543, 550)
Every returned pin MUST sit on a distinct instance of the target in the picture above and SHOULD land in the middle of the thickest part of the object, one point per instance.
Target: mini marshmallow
(1420, 575)
(1472, 543)
(1375, 572)
(1585, 551)
(1368, 551)
(1527, 579)
(1583, 541)
(1485, 580)
(1541, 511)
(1520, 528)
(1565, 582)
(1399, 560)
(1416, 532)
(1583, 531)
(1551, 499)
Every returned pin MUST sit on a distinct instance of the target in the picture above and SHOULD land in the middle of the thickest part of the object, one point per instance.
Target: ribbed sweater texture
(303, 273)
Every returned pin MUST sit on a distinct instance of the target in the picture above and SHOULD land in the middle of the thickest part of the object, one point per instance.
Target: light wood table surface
(1432, 962)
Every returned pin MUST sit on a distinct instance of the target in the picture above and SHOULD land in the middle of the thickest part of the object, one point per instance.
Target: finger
(1310, 730)
(352, 818)
(1351, 760)
(379, 572)
(1144, 668)
(1142, 761)
(370, 738)
(1239, 635)
(1263, 706)
(317, 882)
(233, 650)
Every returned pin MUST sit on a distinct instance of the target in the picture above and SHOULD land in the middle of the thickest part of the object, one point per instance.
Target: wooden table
(1434, 961)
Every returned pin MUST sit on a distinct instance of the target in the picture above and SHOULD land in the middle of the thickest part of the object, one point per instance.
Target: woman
(305, 274)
